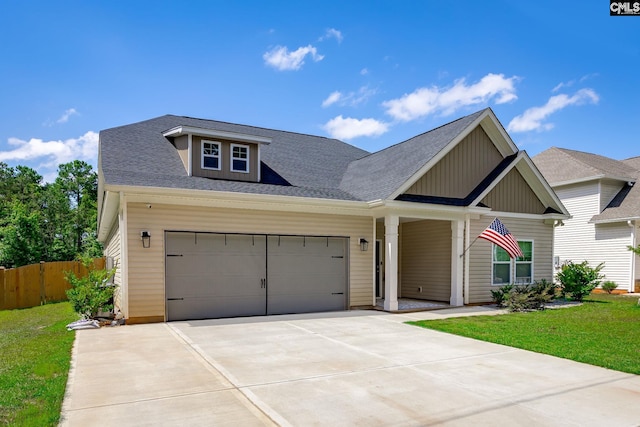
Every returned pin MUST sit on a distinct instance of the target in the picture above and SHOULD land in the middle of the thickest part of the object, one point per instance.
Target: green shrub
(578, 280)
(498, 295)
(609, 286)
(524, 297)
(92, 293)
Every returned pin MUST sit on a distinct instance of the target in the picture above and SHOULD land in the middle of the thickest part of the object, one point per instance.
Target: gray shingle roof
(139, 155)
(561, 165)
(378, 175)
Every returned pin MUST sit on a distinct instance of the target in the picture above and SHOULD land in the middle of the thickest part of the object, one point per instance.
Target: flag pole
(469, 247)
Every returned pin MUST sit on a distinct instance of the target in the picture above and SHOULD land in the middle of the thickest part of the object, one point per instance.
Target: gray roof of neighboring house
(561, 165)
(139, 155)
(378, 175)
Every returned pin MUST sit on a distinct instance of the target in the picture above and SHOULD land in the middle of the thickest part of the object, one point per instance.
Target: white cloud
(574, 81)
(447, 100)
(351, 99)
(332, 33)
(364, 72)
(65, 116)
(332, 99)
(53, 153)
(533, 118)
(282, 59)
(349, 128)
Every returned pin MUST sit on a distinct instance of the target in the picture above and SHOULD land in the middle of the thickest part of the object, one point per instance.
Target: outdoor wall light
(146, 239)
(364, 245)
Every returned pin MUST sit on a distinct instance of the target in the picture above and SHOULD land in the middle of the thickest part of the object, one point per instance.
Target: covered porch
(420, 262)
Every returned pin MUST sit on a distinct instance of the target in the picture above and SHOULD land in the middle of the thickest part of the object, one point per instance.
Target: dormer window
(239, 158)
(210, 155)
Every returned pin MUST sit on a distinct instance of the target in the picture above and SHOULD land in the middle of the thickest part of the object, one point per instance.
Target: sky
(370, 73)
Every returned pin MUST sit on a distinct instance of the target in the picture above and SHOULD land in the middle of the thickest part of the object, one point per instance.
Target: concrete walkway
(338, 369)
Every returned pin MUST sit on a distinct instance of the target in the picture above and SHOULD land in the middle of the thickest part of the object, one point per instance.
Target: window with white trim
(239, 158)
(211, 155)
(506, 270)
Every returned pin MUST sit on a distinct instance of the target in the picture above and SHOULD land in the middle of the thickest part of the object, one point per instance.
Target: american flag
(497, 233)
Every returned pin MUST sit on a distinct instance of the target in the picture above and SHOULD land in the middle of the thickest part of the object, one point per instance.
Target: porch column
(457, 262)
(391, 262)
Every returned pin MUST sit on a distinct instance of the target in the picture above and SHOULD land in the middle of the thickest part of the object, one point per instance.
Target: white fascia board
(424, 210)
(529, 216)
(208, 198)
(108, 214)
(613, 220)
(186, 130)
(499, 136)
(593, 178)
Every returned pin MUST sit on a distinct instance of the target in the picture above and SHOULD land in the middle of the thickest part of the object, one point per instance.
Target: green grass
(35, 354)
(604, 331)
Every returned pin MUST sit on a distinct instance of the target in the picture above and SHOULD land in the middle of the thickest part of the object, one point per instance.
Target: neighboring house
(603, 199)
(239, 220)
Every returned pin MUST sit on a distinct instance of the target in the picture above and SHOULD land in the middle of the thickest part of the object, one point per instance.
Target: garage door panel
(215, 275)
(306, 274)
(215, 307)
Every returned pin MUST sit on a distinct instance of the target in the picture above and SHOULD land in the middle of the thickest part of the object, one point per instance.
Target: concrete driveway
(354, 368)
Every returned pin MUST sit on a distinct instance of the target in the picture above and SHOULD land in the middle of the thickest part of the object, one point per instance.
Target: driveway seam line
(260, 405)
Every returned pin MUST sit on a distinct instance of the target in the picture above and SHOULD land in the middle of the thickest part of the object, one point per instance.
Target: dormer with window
(217, 154)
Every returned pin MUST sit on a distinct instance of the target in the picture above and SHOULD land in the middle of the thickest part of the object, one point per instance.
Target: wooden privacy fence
(37, 284)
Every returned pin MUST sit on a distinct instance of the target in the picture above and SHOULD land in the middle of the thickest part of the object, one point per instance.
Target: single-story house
(208, 219)
(604, 202)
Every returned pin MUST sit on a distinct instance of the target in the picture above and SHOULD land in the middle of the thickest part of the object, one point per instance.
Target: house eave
(208, 198)
(234, 136)
(614, 220)
(591, 178)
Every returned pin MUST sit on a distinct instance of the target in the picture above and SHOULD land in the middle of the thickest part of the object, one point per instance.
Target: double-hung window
(211, 155)
(239, 158)
(506, 270)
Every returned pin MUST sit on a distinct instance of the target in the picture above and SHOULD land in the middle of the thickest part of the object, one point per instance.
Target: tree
(578, 280)
(21, 243)
(77, 181)
(635, 250)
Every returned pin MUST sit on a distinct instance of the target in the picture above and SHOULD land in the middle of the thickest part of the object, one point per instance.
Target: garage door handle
(336, 256)
(174, 254)
(175, 299)
(337, 293)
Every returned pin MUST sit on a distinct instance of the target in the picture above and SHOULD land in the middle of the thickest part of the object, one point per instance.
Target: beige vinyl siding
(146, 272)
(462, 169)
(426, 260)
(513, 194)
(182, 145)
(113, 249)
(480, 253)
(225, 159)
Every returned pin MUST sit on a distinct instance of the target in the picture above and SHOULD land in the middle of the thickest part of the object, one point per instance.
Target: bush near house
(91, 293)
(524, 297)
(609, 286)
(578, 280)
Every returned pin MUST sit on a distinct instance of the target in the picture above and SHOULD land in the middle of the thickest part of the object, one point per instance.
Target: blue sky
(370, 73)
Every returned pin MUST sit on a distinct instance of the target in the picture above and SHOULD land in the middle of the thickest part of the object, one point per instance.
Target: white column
(457, 262)
(391, 223)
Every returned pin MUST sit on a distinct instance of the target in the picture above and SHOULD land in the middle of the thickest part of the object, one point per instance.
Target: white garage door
(210, 275)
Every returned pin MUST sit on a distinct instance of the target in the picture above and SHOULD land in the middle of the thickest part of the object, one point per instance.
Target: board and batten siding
(513, 194)
(225, 160)
(579, 240)
(426, 260)
(113, 249)
(146, 268)
(460, 170)
(480, 262)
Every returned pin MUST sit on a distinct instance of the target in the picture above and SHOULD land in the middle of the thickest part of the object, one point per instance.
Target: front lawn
(604, 331)
(35, 353)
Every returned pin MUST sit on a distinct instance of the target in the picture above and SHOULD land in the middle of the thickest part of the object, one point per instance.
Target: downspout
(189, 155)
(124, 255)
(632, 284)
